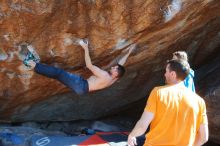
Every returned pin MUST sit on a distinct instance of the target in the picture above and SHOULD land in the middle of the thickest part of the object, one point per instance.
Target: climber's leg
(73, 81)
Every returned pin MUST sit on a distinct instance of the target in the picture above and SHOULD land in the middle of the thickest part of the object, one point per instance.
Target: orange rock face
(52, 27)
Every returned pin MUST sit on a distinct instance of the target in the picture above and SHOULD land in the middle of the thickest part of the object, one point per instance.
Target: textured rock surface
(209, 87)
(158, 27)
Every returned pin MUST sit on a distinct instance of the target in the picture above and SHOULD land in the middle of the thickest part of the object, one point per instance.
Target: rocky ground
(123, 121)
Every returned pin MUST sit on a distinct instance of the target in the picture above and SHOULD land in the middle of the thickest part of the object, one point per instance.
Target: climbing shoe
(31, 55)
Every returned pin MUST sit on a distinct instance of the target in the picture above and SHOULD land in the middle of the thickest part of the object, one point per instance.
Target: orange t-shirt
(178, 114)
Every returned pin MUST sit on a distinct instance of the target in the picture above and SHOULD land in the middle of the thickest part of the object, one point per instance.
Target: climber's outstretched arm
(94, 69)
(124, 58)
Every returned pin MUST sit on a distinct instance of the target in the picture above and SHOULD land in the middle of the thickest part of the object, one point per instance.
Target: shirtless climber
(99, 80)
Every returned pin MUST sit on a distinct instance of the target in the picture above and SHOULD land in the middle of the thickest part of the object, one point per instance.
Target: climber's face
(114, 71)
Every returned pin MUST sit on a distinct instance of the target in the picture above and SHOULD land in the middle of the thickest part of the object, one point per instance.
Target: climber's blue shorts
(75, 82)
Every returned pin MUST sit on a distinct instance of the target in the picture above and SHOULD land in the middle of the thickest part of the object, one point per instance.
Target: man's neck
(175, 82)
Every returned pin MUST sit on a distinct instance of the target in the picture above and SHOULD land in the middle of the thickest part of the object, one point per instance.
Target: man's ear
(173, 73)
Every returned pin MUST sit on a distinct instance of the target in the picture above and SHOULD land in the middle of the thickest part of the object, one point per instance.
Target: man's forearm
(125, 57)
(138, 130)
(87, 58)
(140, 127)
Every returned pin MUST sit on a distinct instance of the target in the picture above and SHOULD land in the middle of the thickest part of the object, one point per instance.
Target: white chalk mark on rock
(172, 10)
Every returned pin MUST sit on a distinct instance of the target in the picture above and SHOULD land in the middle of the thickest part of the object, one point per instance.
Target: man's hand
(132, 141)
(84, 44)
